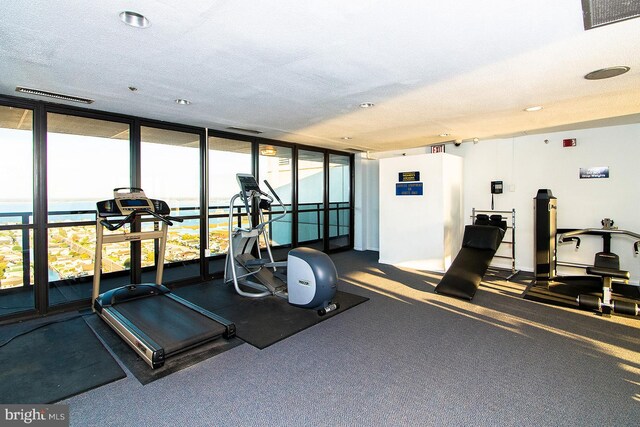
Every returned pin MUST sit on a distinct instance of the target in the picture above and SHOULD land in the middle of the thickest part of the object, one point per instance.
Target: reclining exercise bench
(479, 245)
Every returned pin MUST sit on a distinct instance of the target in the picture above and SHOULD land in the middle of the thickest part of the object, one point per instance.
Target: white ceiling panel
(297, 70)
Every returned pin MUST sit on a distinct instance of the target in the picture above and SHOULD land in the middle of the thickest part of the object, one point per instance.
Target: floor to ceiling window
(86, 159)
(339, 201)
(170, 171)
(16, 210)
(311, 199)
(276, 166)
(59, 161)
(227, 157)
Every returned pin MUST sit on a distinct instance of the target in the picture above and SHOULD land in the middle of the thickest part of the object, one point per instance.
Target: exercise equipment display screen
(247, 183)
(126, 203)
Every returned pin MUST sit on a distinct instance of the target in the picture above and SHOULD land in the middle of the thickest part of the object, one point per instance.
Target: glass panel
(310, 198)
(86, 160)
(16, 206)
(339, 196)
(227, 157)
(276, 167)
(170, 171)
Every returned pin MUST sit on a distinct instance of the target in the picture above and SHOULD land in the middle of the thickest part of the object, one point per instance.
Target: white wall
(526, 164)
(421, 231)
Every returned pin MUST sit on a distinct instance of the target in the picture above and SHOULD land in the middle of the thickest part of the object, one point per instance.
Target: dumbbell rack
(509, 239)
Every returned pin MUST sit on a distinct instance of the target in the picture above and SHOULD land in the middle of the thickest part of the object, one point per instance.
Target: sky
(89, 168)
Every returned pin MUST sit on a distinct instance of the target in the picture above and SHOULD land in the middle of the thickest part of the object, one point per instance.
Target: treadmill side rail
(147, 348)
(229, 326)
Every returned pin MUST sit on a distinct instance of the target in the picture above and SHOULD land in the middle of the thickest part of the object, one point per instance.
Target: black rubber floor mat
(139, 367)
(264, 321)
(52, 360)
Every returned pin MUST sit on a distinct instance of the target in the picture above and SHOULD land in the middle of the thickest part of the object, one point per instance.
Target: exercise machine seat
(608, 272)
(479, 245)
(606, 304)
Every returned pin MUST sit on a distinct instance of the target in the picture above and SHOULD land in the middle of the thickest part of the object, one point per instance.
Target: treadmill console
(128, 200)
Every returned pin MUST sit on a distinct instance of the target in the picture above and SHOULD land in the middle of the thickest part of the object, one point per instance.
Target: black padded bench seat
(479, 245)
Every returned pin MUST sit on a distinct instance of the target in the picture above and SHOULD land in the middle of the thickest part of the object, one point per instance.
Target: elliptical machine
(311, 276)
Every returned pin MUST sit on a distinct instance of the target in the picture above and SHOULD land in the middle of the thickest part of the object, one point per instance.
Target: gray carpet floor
(407, 357)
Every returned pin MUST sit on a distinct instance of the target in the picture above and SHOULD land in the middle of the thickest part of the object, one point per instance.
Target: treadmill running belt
(172, 325)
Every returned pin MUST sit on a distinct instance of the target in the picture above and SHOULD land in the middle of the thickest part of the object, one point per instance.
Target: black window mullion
(40, 235)
(135, 162)
(325, 198)
(352, 198)
(204, 205)
(294, 198)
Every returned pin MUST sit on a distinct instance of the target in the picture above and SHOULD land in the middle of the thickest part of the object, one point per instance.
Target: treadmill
(156, 323)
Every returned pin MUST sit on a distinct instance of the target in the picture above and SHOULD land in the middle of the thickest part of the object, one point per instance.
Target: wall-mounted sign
(594, 172)
(409, 189)
(408, 176)
(437, 148)
(569, 142)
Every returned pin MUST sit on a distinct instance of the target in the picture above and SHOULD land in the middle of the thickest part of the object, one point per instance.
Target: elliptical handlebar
(249, 191)
(284, 208)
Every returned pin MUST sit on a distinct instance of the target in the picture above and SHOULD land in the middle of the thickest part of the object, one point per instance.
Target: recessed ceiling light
(346, 137)
(134, 19)
(367, 105)
(534, 108)
(606, 73)
(444, 134)
(182, 101)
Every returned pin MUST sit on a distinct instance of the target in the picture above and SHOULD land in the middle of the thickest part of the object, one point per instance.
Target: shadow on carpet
(264, 321)
(52, 359)
(139, 368)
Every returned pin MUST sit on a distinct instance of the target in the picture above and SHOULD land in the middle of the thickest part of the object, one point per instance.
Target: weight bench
(479, 245)
(607, 266)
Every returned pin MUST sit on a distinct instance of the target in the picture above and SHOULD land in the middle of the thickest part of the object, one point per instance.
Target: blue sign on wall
(595, 172)
(409, 189)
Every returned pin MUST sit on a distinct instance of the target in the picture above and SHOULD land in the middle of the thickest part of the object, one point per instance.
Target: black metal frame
(41, 225)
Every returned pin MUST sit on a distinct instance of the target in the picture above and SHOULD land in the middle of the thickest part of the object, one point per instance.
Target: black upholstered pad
(482, 237)
(608, 272)
(463, 277)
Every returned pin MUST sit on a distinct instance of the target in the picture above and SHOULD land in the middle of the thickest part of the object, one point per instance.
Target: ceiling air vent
(597, 13)
(245, 130)
(55, 95)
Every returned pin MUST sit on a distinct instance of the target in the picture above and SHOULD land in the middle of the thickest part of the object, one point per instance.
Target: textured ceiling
(298, 70)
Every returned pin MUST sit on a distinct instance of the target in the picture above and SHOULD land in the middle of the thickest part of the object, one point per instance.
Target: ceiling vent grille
(603, 12)
(254, 131)
(55, 95)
